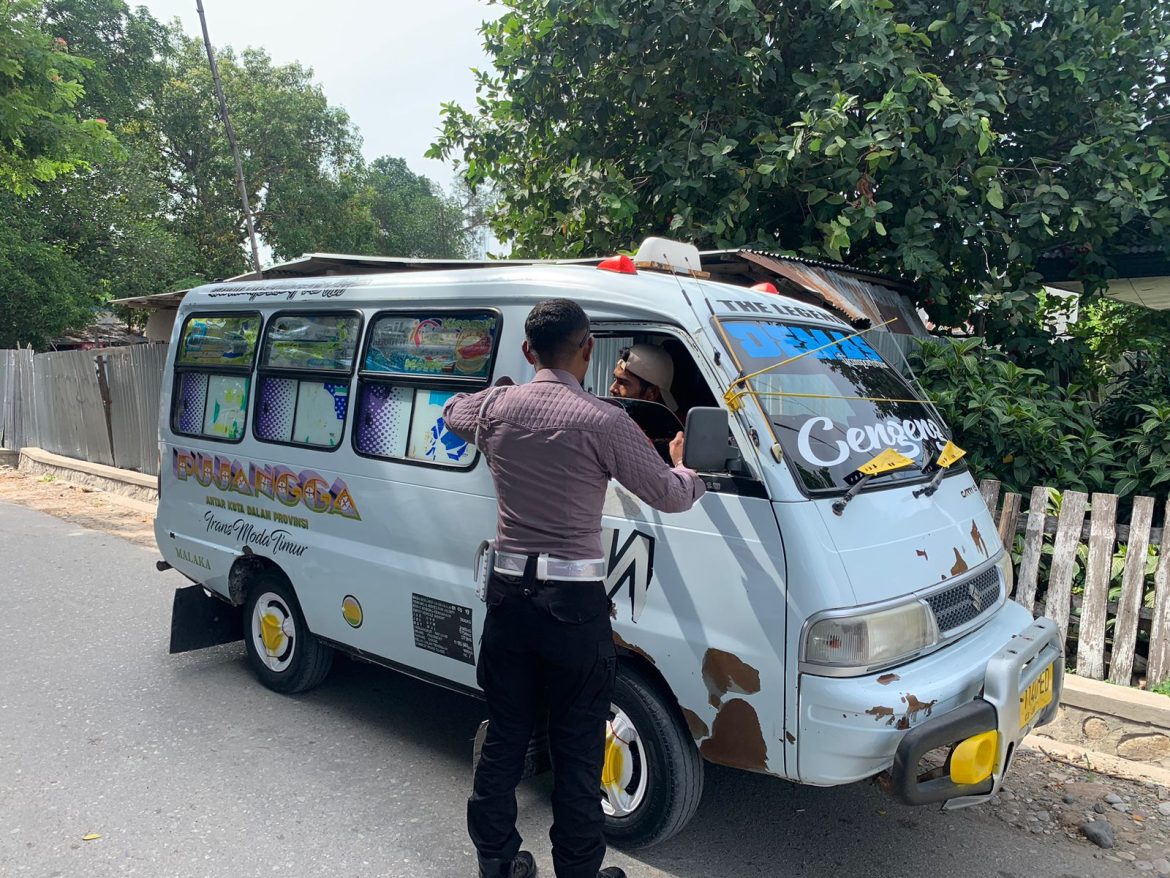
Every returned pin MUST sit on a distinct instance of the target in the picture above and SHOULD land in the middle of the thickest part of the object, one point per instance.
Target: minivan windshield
(836, 405)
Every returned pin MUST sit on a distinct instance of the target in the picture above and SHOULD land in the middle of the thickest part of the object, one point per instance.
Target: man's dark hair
(554, 329)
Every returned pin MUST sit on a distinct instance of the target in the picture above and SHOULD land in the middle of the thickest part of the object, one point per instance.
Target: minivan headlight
(861, 642)
(1007, 571)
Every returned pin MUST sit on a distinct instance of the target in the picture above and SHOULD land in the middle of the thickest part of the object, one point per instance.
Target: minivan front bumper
(1032, 661)
(851, 728)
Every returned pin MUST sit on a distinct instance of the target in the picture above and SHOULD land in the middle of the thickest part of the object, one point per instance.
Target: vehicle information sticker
(443, 628)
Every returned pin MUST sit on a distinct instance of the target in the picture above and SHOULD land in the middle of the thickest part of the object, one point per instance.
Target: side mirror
(707, 447)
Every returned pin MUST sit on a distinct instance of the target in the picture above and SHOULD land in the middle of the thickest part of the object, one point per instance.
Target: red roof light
(619, 264)
(765, 288)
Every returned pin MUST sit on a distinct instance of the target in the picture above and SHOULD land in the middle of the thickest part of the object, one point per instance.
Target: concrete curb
(1135, 705)
(1113, 725)
(121, 482)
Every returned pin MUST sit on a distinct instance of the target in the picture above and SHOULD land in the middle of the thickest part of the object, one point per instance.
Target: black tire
(673, 769)
(298, 661)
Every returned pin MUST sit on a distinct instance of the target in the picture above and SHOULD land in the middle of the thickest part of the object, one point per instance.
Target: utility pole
(231, 135)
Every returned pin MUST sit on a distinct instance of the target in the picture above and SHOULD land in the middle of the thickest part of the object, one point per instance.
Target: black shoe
(523, 866)
(611, 872)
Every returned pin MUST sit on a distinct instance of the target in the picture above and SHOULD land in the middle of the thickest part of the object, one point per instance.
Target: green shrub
(1019, 427)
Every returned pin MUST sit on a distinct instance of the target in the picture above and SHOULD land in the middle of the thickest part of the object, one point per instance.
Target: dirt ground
(131, 520)
(1046, 797)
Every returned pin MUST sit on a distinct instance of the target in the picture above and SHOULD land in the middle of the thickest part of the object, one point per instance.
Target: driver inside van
(644, 371)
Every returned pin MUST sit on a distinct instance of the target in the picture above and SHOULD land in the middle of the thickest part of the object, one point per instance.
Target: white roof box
(676, 256)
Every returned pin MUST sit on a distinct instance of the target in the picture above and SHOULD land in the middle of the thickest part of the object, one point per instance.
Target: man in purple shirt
(552, 449)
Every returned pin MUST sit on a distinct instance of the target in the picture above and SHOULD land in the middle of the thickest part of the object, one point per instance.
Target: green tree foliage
(295, 148)
(954, 141)
(41, 133)
(1020, 428)
(310, 189)
(414, 216)
(41, 285)
(157, 208)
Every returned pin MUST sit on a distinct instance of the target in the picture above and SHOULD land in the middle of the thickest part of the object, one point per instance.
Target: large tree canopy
(103, 218)
(954, 141)
(41, 134)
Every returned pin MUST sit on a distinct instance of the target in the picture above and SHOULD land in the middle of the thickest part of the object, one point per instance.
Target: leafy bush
(1019, 427)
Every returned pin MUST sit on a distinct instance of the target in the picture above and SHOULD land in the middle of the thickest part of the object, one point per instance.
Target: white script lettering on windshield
(903, 436)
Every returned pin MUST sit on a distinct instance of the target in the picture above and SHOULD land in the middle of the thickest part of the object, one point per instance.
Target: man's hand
(676, 449)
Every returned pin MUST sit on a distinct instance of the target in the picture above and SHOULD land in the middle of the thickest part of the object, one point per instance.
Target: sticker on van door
(630, 569)
(442, 627)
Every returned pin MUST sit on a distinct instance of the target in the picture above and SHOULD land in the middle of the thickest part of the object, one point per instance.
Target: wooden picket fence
(1090, 614)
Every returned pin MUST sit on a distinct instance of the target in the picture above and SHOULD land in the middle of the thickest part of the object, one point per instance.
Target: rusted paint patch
(789, 737)
(887, 679)
(978, 538)
(915, 707)
(960, 564)
(695, 723)
(637, 650)
(736, 739)
(921, 553)
(724, 672)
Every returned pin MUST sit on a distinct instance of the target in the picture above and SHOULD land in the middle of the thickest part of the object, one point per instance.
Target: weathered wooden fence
(100, 406)
(1117, 629)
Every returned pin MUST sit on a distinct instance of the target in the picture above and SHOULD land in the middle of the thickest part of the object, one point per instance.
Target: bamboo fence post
(1008, 519)
(989, 488)
(1091, 638)
(1132, 588)
(1158, 668)
(1033, 543)
(1058, 606)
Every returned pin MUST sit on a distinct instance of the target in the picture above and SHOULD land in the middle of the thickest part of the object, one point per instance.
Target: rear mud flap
(199, 621)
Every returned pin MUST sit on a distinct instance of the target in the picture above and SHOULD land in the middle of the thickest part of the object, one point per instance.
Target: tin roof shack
(1142, 275)
(106, 331)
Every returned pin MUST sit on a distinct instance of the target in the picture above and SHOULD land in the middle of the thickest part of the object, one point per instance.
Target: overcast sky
(389, 63)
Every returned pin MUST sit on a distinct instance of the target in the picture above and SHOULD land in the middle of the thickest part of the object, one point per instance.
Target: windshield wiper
(889, 461)
(841, 502)
(930, 487)
(942, 460)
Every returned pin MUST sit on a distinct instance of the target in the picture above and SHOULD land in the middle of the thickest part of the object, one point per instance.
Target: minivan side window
(303, 378)
(213, 375)
(413, 364)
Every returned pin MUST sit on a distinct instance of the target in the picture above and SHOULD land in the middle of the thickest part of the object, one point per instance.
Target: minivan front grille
(965, 601)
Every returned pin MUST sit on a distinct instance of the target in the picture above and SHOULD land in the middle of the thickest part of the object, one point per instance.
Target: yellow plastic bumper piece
(974, 759)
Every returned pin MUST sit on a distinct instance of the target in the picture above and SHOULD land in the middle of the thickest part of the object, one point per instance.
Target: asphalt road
(185, 766)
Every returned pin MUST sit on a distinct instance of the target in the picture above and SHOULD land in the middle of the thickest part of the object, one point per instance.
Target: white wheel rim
(274, 633)
(624, 773)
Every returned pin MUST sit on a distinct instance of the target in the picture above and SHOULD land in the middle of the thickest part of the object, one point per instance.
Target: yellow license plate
(1036, 697)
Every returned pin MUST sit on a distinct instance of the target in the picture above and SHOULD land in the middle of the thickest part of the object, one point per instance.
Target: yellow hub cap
(611, 770)
(272, 633)
(624, 770)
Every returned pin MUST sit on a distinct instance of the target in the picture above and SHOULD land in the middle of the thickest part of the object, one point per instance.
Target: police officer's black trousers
(544, 644)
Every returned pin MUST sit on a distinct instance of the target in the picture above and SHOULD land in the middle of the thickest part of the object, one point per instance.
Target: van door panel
(713, 620)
